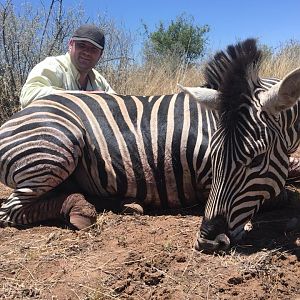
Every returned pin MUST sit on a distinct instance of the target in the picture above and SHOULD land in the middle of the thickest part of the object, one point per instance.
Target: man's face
(84, 55)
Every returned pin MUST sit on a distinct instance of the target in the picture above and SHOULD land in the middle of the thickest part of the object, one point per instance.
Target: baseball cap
(90, 33)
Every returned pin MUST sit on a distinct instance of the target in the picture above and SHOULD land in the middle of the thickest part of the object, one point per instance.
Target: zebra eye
(256, 161)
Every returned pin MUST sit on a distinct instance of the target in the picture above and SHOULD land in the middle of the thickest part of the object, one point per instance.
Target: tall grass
(155, 78)
(282, 61)
(159, 78)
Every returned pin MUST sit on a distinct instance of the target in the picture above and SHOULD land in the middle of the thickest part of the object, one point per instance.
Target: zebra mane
(230, 72)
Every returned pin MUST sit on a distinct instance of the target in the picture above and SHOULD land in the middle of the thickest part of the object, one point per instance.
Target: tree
(181, 39)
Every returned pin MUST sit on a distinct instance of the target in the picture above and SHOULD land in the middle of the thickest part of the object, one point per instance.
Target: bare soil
(151, 257)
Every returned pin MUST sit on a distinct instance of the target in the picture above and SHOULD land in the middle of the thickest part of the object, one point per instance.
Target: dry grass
(286, 59)
(154, 79)
(162, 78)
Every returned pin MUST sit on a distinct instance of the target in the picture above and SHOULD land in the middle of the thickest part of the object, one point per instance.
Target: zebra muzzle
(220, 243)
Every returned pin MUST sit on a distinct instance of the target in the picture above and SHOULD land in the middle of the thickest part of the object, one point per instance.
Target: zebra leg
(41, 174)
(24, 207)
(48, 193)
(21, 209)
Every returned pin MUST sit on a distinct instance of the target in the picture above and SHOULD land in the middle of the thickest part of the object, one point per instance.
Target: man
(72, 71)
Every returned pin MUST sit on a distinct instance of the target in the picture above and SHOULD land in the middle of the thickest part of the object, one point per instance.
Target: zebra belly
(120, 180)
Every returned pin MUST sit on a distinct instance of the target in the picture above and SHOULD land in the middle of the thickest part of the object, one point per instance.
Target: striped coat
(257, 130)
(154, 149)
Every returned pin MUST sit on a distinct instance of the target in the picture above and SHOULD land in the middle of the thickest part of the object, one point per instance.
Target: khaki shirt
(57, 74)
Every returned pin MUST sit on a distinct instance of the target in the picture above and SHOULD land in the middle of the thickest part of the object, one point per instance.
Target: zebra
(257, 130)
(66, 153)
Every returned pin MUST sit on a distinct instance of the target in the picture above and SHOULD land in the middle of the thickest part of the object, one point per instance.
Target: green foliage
(181, 39)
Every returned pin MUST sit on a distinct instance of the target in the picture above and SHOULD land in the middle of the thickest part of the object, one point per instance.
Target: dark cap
(90, 33)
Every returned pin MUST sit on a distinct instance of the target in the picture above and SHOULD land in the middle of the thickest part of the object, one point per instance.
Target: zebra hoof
(132, 209)
(83, 215)
(220, 243)
(81, 222)
(78, 212)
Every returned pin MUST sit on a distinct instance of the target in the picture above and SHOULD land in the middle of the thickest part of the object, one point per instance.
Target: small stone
(235, 280)
(120, 286)
(180, 258)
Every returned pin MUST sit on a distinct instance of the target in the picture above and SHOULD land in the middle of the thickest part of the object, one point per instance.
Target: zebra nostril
(206, 245)
(220, 243)
(212, 236)
(223, 241)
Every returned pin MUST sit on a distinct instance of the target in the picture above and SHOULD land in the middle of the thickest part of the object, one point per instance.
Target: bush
(181, 41)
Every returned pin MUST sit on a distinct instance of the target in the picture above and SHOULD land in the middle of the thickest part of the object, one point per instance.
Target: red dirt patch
(149, 257)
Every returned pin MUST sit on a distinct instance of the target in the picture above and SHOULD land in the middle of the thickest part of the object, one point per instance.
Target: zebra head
(258, 128)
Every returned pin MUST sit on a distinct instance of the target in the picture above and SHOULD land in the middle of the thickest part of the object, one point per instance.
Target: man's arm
(44, 79)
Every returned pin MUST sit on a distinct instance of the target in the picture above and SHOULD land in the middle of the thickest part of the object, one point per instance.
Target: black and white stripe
(258, 130)
(154, 149)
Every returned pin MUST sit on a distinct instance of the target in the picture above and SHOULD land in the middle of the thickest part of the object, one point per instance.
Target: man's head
(86, 47)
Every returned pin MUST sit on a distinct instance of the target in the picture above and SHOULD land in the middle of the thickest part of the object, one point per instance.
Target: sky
(273, 22)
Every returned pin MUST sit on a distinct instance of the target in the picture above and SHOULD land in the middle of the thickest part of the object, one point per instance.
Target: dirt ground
(150, 257)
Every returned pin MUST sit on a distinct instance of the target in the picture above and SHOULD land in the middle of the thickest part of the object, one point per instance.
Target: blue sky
(273, 22)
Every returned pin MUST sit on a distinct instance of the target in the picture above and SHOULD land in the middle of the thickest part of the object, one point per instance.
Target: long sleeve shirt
(57, 74)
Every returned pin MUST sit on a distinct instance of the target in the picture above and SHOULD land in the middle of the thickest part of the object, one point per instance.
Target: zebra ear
(205, 96)
(282, 95)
